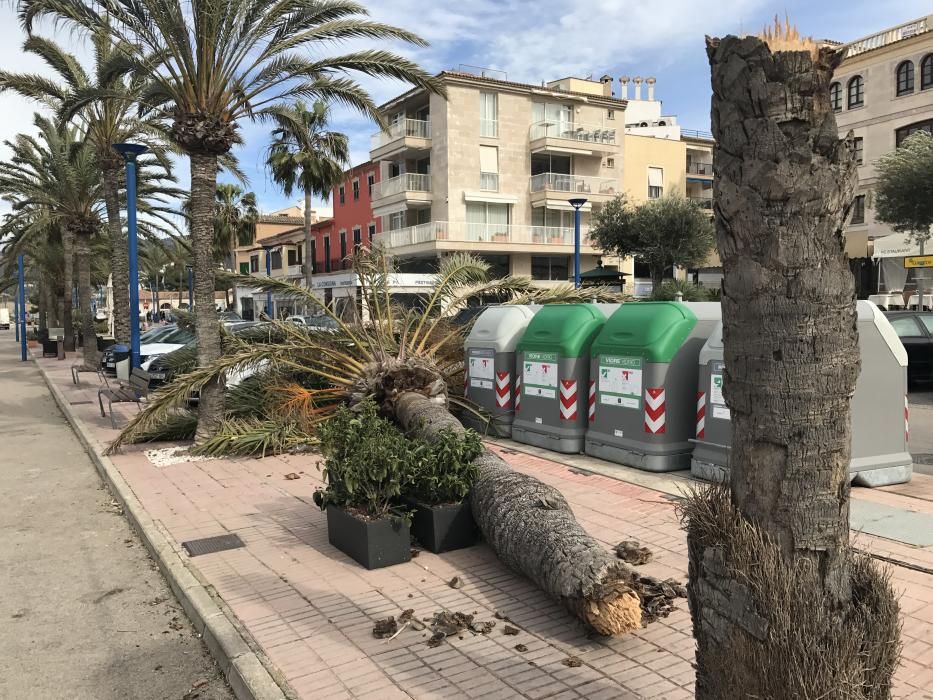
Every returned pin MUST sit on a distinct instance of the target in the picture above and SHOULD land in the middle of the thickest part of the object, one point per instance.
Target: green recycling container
(552, 365)
(644, 366)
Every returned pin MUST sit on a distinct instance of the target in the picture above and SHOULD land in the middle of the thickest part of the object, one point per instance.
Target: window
(357, 239)
(610, 114)
(856, 92)
(498, 265)
(343, 196)
(356, 190)
(926, 72)
(488, 114)
(859, 148)
(394, 170)
(835, 97)
(858, 210)
(906, 327)
(927, 320)
(276, 258)
(313, 260)
(372, 232)
(906, 131)
(254, 263)
(370, 181)
(610, 162)
(549, 267)
(905, 78)
(293, 256)
(244, 267)
(326, 253)
(487, 221)
(655, 183)
(343, 244)
(396, 221)
(489, 168)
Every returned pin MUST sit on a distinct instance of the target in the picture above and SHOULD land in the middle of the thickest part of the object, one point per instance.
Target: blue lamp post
(576, 203)
(21, 318)
(130, 151)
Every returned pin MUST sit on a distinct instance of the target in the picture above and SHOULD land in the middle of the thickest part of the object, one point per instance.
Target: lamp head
(577, 202)
(129, 151)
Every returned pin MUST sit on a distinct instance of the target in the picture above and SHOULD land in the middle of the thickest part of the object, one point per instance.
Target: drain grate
(79, 403)
(210, 545)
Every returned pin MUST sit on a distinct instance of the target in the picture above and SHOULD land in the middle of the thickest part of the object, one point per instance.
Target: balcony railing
(414, 128)
(889, 36)
(406, 182)
(583, 184)
(489, 182)
(703, 202)
(296, 270)
(700, 168)
(572, 132)
(697, 134)
(464, 232)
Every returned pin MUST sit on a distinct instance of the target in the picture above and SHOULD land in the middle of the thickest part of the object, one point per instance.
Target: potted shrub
(366, 462)
(440, 482)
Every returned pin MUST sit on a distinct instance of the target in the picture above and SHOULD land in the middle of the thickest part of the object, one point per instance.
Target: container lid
(567, 329)
(500, 327)
(713, 348)
(869, 313)
(654, 330)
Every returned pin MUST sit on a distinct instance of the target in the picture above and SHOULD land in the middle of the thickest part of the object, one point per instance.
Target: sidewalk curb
(241, 666)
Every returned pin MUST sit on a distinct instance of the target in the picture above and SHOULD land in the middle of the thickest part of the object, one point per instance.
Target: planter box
(372, 543)
(443, 528)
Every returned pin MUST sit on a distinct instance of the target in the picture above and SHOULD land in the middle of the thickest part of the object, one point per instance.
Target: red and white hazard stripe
(701, 414)
(906, 420)
(654, 410)
(503, 390)
(518, 392)
(592, 401)
(568, 399)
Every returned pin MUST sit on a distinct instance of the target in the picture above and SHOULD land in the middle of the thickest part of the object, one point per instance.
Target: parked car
(4, 319)
(153, 335)
(320, 322)
(915, 329)
(162, 367)
(165, 344)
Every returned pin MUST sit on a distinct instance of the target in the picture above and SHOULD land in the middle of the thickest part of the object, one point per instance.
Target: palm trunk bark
(309, 263)
(119, 256)
(68, 242)
(89, 337)
(203, 189)
(780, 607)
(531, 528)
(43, 304)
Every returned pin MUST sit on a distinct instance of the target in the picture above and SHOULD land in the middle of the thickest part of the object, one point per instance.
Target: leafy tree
(661, 232)
(904, 191)
(211, 64)
(308, 158)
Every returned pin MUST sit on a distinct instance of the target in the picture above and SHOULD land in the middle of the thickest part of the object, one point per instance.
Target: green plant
(691, 292)
(368, 460)
(446, 471)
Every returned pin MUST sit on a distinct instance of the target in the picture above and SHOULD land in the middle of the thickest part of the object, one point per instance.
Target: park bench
(136, 390)
(79, 368)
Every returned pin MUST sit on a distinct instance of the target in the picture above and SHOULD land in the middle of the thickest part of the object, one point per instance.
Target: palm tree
(210, 67)
(105, 103)
(309, 158)
(235, 219)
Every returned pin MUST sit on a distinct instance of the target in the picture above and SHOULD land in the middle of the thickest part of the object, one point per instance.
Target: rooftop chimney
(606, 80)
(623, 81)
(650, 82)
(637, 81)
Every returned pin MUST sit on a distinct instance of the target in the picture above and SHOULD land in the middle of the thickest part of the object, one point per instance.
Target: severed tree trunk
(83, 256)
(207, 328)
(119, 255)
(68, 244)
(531, 528)
(781, 607)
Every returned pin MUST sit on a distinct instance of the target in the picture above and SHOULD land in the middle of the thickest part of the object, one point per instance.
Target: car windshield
(179, 336)
(153, 334)
(320, 321)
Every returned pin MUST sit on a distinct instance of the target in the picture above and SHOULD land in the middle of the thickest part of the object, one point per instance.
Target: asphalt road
(84, 612)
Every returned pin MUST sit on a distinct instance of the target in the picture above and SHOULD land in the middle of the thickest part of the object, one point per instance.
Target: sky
(531, 41)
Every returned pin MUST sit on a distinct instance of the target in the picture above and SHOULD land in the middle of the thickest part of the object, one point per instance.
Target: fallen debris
(572, 662)
(291, 476)
(657, 597)
(521, 647)
(509, 630)
(385, 628)
(482, 627)
(631, 552)
(455, 582)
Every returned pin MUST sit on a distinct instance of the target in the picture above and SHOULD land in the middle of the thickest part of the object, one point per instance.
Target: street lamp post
(190, 288)
(21, 318)
(130, 151)
(576, 203)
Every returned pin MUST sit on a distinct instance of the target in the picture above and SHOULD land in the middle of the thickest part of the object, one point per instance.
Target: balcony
(889, 36)
(558, 186)
(703, 202)
(575, 139)
(296, 271)
(413, 189)
(702, 169)
(443, 235)
(401, 137)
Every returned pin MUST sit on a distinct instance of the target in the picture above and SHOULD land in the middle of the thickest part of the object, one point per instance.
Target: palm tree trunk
(119, 257)
(203, 189)
(83, 257)
(43, 304)
(68, 242)
(309, 263)
(781, 608)
(531, 528)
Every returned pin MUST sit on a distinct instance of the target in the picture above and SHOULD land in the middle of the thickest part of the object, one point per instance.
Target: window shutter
(655, 177)
(488, 159)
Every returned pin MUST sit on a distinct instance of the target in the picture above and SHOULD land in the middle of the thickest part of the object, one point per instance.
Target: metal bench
(78, 369)
(136, 390)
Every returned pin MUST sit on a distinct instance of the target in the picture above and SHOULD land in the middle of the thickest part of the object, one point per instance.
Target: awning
(490, 197)
(561, 204)
(897, 245)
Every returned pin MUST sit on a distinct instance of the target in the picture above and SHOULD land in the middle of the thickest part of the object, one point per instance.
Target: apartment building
(882, 92)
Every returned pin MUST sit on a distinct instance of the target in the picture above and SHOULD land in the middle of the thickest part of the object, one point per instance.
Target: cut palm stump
(532, 529)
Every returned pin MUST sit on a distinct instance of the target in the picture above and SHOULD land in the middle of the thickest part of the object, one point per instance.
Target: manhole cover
(79, 403)
(926, 458)
(210, 545)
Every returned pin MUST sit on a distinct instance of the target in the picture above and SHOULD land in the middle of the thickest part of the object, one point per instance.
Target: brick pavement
(311, 609)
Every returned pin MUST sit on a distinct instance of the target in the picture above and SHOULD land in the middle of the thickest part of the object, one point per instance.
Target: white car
(166, 344)
(320, 322)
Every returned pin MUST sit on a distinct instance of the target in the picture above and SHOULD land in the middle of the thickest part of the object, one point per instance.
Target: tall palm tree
(235, 219)
(211, 65)
(308, 158)
(104, 101)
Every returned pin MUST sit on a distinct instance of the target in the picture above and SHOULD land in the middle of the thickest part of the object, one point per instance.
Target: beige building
(882, 92)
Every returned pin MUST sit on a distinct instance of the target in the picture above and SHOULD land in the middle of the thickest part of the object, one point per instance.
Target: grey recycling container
(121, 359)
(644, 376)
(553, 373)
(880, 454)
(490, 366)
